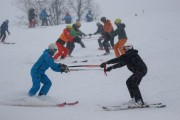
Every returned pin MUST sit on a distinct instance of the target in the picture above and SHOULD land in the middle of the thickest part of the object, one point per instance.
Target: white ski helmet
(52, 47)
(128, 47)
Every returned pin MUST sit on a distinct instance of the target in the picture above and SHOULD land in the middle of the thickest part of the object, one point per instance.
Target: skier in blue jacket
(44, 17)
(38, 71)
(89, 16)
(4, 28)
(67, 18)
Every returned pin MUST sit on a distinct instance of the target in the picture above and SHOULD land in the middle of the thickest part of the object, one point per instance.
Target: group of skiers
(68, 18)
(66, 42)
(126, 55)
(108, 33)
(43, 16)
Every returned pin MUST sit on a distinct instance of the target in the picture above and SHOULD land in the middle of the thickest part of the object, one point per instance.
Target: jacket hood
(131, 52)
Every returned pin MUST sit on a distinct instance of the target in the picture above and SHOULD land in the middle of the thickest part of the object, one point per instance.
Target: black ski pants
(78, 40)
(44, 22)
(100, 43)
(106, 45)
(3, 36)
(133, 83)
(70, 46)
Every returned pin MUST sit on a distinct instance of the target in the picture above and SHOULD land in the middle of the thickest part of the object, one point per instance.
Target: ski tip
(162, 106)
(76, 102)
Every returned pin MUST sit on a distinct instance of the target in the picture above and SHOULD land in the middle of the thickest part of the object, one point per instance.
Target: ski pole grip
(105, 70)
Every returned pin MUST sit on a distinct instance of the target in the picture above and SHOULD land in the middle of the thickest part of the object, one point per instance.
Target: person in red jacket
(63, 39)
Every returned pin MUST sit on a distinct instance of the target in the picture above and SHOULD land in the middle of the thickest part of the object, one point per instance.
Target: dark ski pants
(78, 40)
(106, 45)
(100, 43)
(133, 83)
(3, 36)
(70, 46)
(32, 23)
(44, 22)
(112, 42)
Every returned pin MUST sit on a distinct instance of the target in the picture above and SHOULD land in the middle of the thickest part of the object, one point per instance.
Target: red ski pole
(85, 66)
(84, 69)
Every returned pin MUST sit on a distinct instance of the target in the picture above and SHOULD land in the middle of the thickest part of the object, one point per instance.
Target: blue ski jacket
(44, 62)
(43, 15)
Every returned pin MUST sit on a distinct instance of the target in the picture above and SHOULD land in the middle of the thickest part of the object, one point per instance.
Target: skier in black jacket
(100, 30)
(136, 65)
(3, 29)
(31, 17)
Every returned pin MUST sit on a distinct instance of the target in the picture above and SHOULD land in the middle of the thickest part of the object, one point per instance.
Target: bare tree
(57, 8)
(81, 6)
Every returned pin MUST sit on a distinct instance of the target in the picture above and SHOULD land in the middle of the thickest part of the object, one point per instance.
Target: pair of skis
(117, 108)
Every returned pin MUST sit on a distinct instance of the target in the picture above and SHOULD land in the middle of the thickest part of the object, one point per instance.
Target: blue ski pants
(37, 79)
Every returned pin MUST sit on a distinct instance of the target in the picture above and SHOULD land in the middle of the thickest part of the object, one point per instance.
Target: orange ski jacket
(108, 26)
(66, 35)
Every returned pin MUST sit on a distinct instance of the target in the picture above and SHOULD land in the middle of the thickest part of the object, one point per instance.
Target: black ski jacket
(133, 61)
(100, 30)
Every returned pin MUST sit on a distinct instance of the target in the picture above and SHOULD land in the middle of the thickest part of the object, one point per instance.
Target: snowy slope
(155, 34)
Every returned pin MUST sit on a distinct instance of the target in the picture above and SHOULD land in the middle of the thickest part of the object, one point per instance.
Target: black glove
(64, 68)
(103, 64)
(110, 68)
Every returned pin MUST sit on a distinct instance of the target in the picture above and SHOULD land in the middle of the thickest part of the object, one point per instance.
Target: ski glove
(64, 68)
(110, 68)
(103, 64)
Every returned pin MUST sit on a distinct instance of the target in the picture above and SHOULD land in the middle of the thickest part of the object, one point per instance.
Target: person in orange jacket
(63, 39)
(120, 31)
(108, 30)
